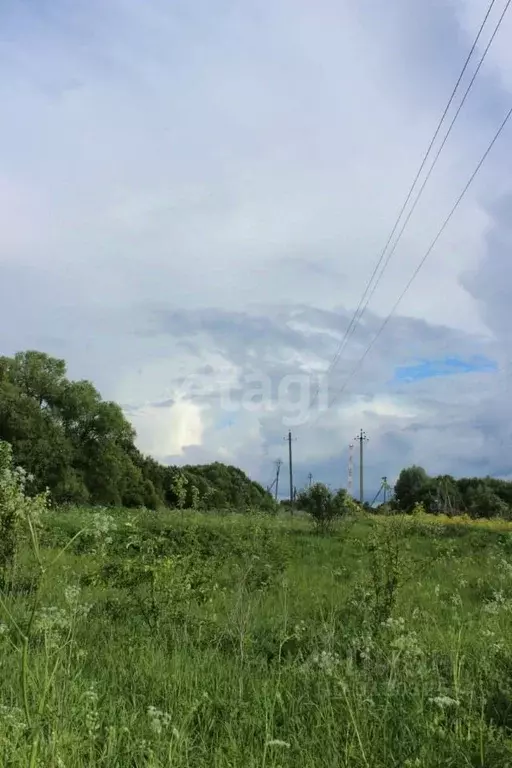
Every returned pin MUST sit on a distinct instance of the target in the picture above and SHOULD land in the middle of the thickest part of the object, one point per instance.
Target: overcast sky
(193, 196)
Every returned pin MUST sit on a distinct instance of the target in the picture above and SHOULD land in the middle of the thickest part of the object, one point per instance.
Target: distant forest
(82, 448)
(475, 496)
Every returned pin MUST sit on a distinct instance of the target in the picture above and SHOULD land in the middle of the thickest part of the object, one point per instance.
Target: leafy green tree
(412, 485)
(482, 501)
(83, 448)
(151, 497)
(38, 441)
(36, 375)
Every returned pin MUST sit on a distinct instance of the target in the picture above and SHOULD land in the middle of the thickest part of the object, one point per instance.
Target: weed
(222, 641)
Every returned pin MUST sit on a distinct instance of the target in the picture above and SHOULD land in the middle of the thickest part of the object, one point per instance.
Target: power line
(424, 184)
(428, 252)
(409, 195)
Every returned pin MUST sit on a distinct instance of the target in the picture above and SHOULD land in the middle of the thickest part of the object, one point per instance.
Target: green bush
(323, 506)
(16, 510)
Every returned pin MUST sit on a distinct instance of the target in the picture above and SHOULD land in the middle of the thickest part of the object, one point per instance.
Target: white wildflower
(52, 619)
(103, 523)
(12, 717)
(92, 720)
(71, 595)
(444, 701)
(299, 629)
(407, 644)
(159, 720)
(326, 661)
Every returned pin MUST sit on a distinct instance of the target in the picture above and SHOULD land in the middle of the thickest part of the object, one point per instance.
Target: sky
(193, 197)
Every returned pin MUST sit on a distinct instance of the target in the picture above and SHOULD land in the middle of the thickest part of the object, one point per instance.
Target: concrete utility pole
(362, 439)
(289, 438)
(350, 468)
(278, 469)
(384, 487)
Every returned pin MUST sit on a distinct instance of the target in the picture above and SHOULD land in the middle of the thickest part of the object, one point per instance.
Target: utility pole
(310, 479)
(350, 468)
(362, 439)
(384, 487)
(278, 469)
(289, 438)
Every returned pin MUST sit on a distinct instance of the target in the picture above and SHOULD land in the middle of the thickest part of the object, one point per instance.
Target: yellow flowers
(493, 524)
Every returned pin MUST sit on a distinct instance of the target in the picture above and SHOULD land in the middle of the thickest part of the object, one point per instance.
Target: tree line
(476, 496)
(82, 448)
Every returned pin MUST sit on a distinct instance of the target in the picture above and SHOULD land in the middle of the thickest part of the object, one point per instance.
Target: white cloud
(253, 157)
(168, 430)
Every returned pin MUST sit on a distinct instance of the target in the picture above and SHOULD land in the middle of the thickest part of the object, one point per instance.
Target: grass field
(176, 640)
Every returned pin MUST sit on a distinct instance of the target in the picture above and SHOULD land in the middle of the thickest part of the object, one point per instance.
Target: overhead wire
(427, 177)
(426, 255)
(356, 316)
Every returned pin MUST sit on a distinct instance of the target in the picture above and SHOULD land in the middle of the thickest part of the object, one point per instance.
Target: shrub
(418, 509)
(16, 509)
(324, 506)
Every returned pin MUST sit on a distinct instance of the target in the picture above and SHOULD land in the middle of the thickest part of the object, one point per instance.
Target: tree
(443, 495)
(83, 448)
(65, 435)
(38, 441)
(482, 501)
(324, 506)
(412, 485)
(36, 375)
(177, 492)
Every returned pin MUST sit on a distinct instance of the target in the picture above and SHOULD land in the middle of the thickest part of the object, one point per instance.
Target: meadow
(133, 639)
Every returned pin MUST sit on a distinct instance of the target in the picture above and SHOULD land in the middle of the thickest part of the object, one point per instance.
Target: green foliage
(223, 486)
(418, 508)
(178, 486)
(410, 487)
(477, 497)
(157, 587)
(245, 640)
(387, 564)
(324, 506)
(82, 448)
(483, 501)
(19, 513)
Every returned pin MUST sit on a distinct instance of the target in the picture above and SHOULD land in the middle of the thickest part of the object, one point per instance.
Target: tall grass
(194, 640)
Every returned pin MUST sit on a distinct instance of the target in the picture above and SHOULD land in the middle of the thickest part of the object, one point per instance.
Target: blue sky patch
(428, 369)
(225, 421)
